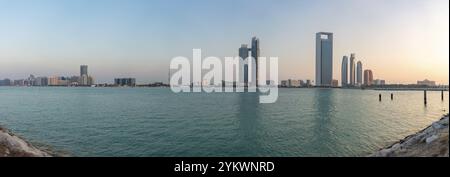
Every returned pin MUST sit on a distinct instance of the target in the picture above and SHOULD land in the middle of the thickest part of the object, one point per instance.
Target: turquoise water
(157, 122)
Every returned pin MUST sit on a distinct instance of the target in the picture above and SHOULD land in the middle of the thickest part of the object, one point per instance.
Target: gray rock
(437, 125)
(431, 139)
(396, 146)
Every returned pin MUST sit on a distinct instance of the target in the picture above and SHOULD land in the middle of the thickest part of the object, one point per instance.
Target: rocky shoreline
(432, 141)
(14, 146)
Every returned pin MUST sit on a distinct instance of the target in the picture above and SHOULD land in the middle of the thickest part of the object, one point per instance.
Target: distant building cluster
(352, 75)
(125, 82)
(82, 80)
(356, 76)
(291, 83)
(426, 82)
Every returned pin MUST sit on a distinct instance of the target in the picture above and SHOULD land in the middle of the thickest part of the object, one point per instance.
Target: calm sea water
(157, 122)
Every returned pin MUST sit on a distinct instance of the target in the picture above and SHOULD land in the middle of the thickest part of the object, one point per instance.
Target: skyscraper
(344, 71)
(255, 55)
(84, 79)
(324, 58)
(243, 54)
(243, 51)
(352, 69)
(83, 70)
(83, 75)
(368, 77)
(359, 73)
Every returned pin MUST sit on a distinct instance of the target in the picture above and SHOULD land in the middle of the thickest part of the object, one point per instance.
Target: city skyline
(138, 39)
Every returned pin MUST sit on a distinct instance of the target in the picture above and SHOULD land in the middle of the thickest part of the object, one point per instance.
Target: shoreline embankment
(14, 146)
(433, 141)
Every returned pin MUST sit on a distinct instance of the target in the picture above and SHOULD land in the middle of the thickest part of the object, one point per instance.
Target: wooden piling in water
(392, 96)
(442, 95)
(379, 97)
(425, 97)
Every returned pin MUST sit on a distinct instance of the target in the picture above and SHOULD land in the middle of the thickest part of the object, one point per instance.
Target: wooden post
(442, 95)
(392, 96)
(425, 97)
(379, 97)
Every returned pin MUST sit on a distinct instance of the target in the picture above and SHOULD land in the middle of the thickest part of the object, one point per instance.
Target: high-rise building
(243, 51)
(243, 54)
(246, 75)
(255, 55)
(83, 75)
(368, 77)
(83, 70)
(359, 73)
(344, 71)
(84, 79)
(324, 58)
(352, 69)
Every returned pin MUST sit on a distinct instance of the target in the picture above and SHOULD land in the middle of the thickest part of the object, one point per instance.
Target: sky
(401, 41)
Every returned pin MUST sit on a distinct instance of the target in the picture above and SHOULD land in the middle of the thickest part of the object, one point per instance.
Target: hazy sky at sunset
(402, 41)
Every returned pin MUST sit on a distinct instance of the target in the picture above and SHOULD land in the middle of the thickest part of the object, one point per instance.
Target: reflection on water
(324, 106)
(248, 116)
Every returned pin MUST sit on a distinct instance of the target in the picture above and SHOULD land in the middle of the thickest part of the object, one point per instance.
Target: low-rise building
(41, 81)
(19, 82)
(308, 83)
(334, 83)
(5, 82)
(426, 82)
(130, 82)
(293, 83)
(284, 83)
(379, 82)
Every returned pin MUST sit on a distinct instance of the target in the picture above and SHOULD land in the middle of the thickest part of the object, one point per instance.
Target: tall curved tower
(344, 71)
(255, 55)
(352, 69)
(359, 73)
